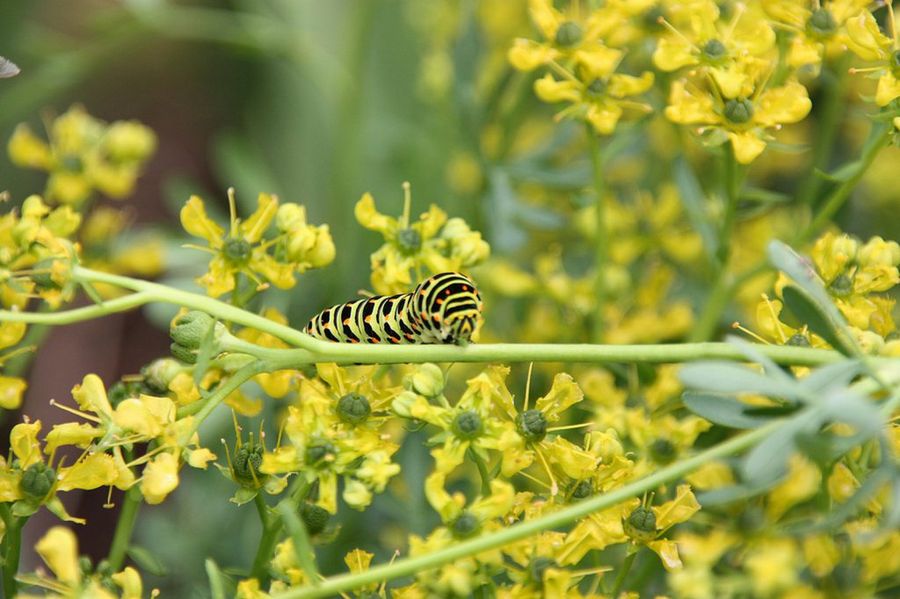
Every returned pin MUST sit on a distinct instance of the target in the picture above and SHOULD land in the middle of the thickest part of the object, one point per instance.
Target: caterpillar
(443, 308)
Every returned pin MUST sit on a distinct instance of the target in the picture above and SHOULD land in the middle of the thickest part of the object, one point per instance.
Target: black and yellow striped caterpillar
(443, 308)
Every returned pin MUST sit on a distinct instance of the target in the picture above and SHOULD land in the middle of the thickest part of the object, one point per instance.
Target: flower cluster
(414, 250)
(85, 154)
(245, 249)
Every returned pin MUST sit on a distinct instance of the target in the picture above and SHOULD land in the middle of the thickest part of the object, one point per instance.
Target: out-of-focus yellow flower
(719, 47)
(801, 483)
(599, 97)
(85, 154)
(773, 566)
(568, 36)
(818, 28)
(866, 40)
(743, 118)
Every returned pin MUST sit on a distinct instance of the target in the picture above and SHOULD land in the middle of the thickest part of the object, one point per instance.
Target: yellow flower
(719, 47)
(85, 154)
(241, 251)
(818, 28)
(866, 41)
(414, 250)
(160, 478)
(567, 36)
(744, 118)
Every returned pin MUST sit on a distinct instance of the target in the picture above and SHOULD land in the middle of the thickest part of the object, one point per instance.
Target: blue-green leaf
(721, 409)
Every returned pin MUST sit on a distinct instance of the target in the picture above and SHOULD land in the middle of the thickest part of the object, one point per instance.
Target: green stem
(832, 105)
(303, 547)
(880, 136)
(12, 545)
(271, 527)
(124, 528)
(405, 567)
(202, 409)
(601, 242)
(723, 289)
(623, 572)
(482, 472)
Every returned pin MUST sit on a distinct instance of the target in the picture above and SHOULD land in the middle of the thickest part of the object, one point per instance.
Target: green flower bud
(428, 380)
(597, 88)
(467, 425)
(402, 404)
(465, 525)
(184, 354)
(320, 454)
(314, 517)
(537, 567)
(192, 329)
(532, 425)
(37, 480)
(353, 408)
(662, 451)
(582, 489)
(821, 23)
(246, 462)
(739, 111)
(841, 286)
(289, 217)
(798, 340)
(568, 34)
(641, 525)
(159, 373)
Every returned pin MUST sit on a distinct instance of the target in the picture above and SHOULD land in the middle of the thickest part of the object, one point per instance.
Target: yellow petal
(864, 37)
(59, 550)
(197, 223)
(26, 149)
(549, 89)
(688, 108)
(545, 17)
(668, 553)
(11, 391)
(367, 216)
(747, 146)
(786, 104)
(564, 393)
(94, 470)
(253, 228)
(526, 55)
(91, 396)
(621, 86)
(24, 444)
(79, 434)
(677, 510)
(160, 478)
(598, 62)
(200, 458)
(672, 53)
(888, 89)
(130, 582)
(11, 333)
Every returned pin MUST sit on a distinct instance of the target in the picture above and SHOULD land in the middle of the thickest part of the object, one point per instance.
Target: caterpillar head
(451, 305)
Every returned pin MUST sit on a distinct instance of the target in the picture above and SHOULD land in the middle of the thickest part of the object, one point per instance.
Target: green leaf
(216, 579)
(694, 201)
(802, 271)
(727, 377)
(804, 308)
(721, 409)
(146, 560)
(732, 494)
(767, 462)
(831, 376)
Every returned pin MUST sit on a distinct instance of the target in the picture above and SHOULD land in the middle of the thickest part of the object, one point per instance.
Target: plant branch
(601, 243)
(124, 527)
(411, 565)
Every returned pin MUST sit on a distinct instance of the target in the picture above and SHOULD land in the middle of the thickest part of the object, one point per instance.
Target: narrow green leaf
(767, 462)
(216, 579)
(804, 308)
(727, 377)
(721, 409)
(146, 560)
(694, 201)
(831, 376)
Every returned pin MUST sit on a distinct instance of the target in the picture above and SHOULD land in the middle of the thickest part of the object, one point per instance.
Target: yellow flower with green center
(569, 36)
(244, 250)
(85, 154)
(718, 46)
(414, 250)
(866, 40)
(744, 118)
(818, 29)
